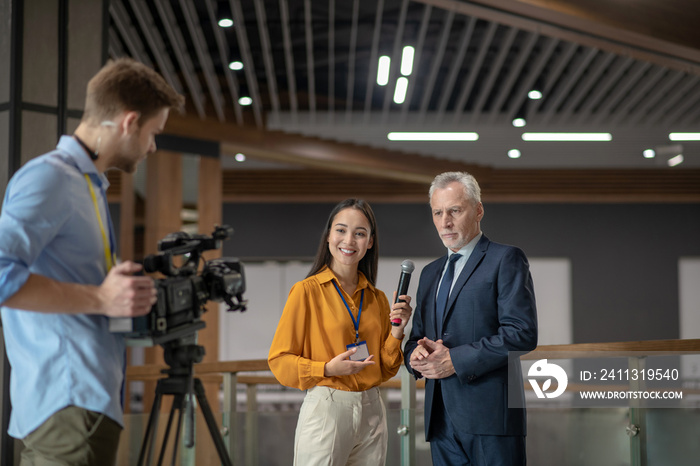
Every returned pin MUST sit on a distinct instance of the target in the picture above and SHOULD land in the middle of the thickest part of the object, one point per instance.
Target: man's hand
(341, 365)
(124, 295)
(432, 359)
(420, 352)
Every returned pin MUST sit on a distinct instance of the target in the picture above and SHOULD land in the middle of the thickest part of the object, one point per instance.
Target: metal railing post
(251, 437)
(407, 428)
(228, 417)
(637, 428)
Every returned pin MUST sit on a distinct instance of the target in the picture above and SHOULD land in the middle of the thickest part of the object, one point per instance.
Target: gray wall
(624, 257)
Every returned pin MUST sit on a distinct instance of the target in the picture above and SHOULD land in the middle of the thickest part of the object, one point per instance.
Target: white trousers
(338, 428)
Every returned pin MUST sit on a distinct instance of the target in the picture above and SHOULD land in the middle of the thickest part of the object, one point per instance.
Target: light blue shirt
(466, 251)
(49, 227)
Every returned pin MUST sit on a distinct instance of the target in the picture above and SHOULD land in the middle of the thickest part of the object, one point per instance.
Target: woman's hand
(342, 365)
(400, 311)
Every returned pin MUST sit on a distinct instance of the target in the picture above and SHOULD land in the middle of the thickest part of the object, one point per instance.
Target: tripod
(180, 382)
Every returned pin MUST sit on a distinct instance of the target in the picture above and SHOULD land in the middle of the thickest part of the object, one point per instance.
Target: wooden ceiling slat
(501, 186)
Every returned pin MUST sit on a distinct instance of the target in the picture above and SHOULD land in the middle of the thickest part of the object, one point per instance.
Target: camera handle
(180, 383)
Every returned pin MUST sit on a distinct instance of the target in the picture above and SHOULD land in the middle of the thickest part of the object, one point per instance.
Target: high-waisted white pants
(339, 428)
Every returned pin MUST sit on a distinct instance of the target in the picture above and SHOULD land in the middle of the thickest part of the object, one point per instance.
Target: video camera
(183, 294)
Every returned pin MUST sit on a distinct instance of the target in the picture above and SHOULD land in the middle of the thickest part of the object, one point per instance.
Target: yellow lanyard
(109, 258)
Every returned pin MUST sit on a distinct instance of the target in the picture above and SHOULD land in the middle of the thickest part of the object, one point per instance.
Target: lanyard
(109, 257)
(356, 323)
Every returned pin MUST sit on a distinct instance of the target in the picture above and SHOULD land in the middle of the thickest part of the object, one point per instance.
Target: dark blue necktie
(444, 292)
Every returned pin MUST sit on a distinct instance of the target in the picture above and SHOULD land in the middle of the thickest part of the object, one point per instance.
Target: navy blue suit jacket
(491, 311)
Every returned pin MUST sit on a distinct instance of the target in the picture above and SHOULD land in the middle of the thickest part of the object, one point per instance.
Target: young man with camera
(59, 282)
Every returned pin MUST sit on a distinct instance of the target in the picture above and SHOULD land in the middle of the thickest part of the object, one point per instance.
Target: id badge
(362, 352)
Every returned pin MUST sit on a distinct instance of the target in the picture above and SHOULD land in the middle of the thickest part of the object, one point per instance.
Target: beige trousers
(338, 428)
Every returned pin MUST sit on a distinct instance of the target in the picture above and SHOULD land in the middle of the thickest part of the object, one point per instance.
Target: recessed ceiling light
(239, 157)
(514, 154)
(519, 122)
(677, 160)
(400, 90)
(235, 65)
(649, 153)
(225, 22)
(684, 136)
(245, 101)
(383, 70)
(575, 137)
(534, 94)
(407, 60)
(432, 136)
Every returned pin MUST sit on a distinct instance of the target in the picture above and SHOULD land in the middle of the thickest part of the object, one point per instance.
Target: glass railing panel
(578, 437)
(259, 438)
(673, 437)
(556, 437)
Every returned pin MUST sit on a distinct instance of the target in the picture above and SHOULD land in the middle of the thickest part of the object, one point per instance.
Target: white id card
(362, 352)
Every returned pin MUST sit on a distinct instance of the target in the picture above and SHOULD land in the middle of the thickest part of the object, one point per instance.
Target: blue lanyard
(356, 323)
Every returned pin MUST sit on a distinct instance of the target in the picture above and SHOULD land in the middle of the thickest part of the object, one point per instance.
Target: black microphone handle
(402, 289)
(404, 280)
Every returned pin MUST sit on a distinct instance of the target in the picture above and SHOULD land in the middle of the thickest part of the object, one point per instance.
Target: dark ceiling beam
(662, 33)
(311, 152)
(425, 21)
(336, 170)
(503, 186)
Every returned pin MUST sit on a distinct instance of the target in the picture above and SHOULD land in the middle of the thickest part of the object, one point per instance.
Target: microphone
(407, 268)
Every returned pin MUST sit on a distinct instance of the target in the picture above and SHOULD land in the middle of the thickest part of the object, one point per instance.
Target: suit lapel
(474, 259)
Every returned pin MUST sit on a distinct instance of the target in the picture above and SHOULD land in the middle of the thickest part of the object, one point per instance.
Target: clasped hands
(432, 359)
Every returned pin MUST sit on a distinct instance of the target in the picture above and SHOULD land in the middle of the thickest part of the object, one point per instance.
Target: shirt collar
(467, 249)
(81, 160)
(326, 275)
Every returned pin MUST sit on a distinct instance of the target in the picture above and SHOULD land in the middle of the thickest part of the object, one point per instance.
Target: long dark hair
(368, 264)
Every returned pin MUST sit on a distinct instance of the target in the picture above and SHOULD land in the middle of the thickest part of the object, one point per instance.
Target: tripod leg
(151, 428)
(176, 442)
(211, 424)
(177, 406)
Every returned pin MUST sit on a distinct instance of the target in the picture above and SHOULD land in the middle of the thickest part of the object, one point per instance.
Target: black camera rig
(173, 323)
(182, 295)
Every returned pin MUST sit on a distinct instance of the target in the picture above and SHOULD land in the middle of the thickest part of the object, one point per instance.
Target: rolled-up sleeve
(34, 209)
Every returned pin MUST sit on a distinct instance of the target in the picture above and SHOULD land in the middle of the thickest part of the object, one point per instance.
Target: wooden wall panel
(163, 207)
(209, 208)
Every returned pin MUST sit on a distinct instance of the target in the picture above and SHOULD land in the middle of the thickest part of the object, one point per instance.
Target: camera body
(182, 295)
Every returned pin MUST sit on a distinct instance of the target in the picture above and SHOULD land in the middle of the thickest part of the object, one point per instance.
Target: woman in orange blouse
(335, 340)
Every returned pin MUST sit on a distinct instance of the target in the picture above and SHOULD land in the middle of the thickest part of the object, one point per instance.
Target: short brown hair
(127, 85)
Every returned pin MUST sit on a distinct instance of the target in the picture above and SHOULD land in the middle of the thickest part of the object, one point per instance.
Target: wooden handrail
(251, 365)
(574, 351)
(234, 367)
(153, 372)
(616, 349)
(686, 346)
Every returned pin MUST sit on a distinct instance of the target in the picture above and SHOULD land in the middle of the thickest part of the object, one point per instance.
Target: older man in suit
(474, 305)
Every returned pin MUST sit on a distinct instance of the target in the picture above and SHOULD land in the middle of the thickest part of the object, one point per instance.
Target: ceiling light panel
(567, 137)
(432, 136)
(684, 136)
